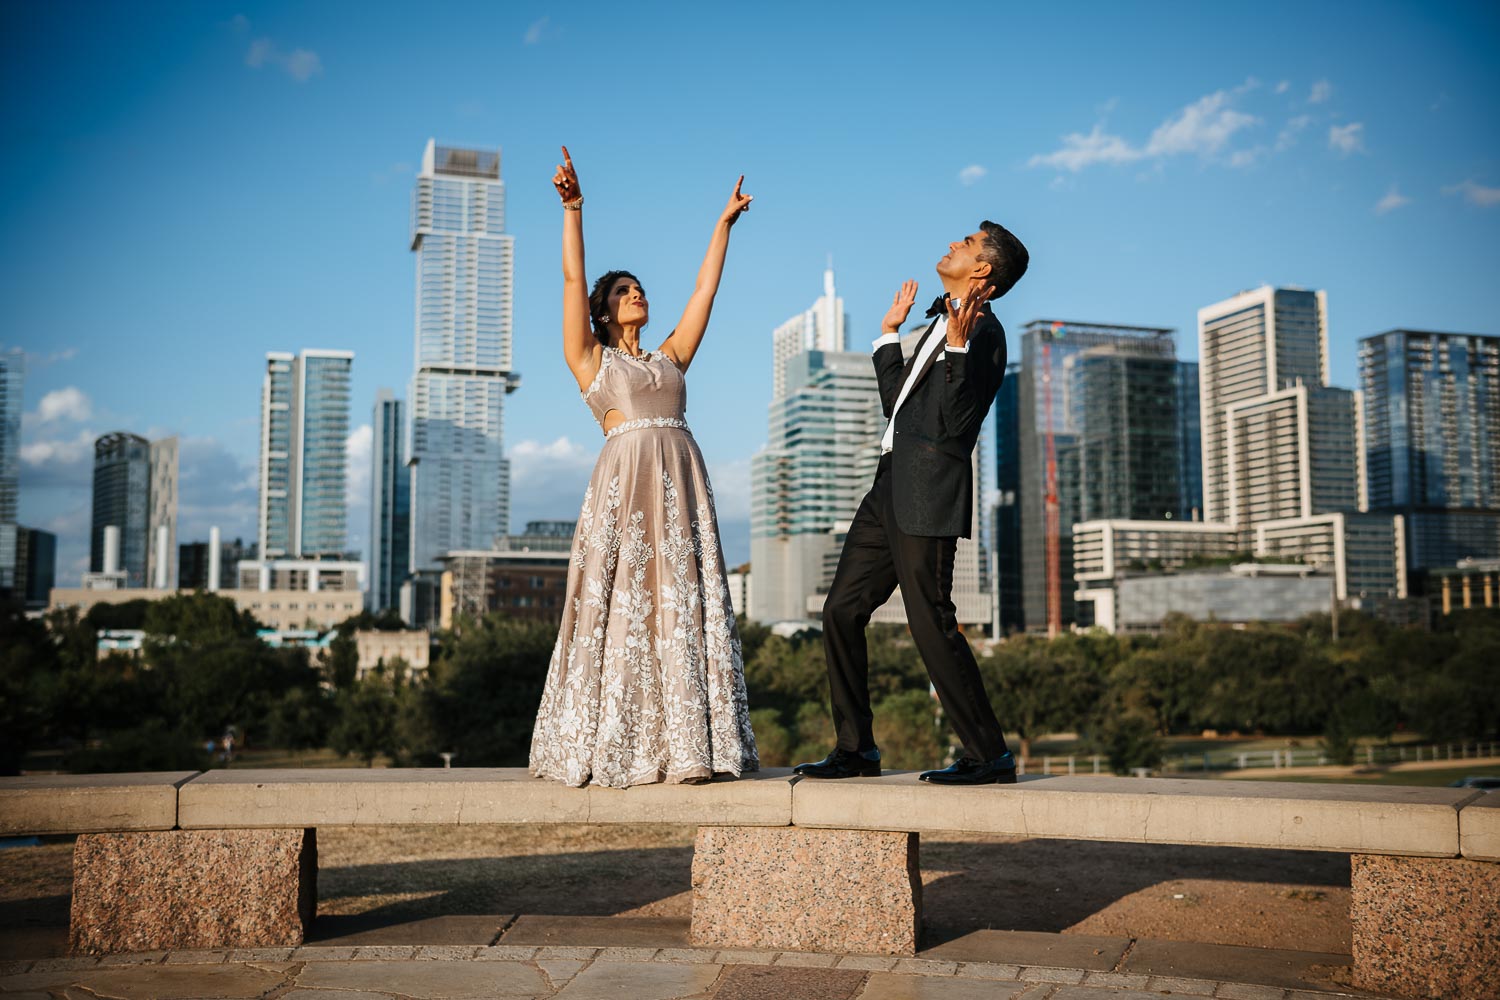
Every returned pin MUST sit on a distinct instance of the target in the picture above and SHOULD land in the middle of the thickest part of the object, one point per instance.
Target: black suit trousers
(877, 556)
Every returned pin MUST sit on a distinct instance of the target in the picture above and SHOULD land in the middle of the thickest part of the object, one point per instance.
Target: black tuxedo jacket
(938, 426)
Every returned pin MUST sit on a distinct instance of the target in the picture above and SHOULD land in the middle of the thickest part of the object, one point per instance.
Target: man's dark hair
(1006, 256)
(599, 302)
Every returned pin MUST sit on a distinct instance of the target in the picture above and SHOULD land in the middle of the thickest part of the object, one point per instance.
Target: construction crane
(1052, 512)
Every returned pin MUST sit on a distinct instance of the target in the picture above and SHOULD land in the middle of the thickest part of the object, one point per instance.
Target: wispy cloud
(537, 30)
(1283, 86)
(1347, 138)
(70, 404)
(1287, 138)
(972, 174)
(394, 172)
(1320, 93)
(299, 64)
(1475, 193)
(1393, 200)
(548, 479)
(1203, 128)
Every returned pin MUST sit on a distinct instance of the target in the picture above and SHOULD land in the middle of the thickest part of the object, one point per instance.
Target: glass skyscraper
(122, 499)
(1116, 432)
(390, 503)
(460, 478)
(12, 382)
(303, 454)
(1432, 439)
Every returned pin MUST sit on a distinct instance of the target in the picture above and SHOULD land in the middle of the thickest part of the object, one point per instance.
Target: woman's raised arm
(683, 342)
(580, 347)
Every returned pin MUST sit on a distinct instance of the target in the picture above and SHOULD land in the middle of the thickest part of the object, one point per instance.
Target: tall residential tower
(390, 503)
(460, 478)
(12, 381)
(304, 464)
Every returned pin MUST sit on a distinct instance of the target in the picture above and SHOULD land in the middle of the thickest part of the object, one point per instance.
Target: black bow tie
(939, 306)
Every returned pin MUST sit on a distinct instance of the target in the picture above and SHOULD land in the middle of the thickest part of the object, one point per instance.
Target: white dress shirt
(937, 341)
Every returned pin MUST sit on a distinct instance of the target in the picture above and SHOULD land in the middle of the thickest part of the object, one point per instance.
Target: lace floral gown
(647, 681)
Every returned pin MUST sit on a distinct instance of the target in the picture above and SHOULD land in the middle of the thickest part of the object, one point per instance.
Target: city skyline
(1322, 171)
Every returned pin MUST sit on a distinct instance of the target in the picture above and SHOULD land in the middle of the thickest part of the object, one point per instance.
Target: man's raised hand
(961, 321)
(565, 179)
(900, 306)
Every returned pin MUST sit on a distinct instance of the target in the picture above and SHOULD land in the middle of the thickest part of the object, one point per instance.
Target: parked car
(1483, 782)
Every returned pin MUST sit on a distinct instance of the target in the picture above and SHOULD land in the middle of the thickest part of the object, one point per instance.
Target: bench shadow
(1052, 885)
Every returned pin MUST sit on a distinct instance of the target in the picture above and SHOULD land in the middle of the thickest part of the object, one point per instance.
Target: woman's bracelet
(576, 205)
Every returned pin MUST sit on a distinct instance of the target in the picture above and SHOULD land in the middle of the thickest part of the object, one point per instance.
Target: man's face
(962, 261)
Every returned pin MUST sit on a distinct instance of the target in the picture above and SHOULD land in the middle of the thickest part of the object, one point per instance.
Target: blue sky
(188, 186)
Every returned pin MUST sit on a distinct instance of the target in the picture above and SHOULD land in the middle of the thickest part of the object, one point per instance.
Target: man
(908, 526)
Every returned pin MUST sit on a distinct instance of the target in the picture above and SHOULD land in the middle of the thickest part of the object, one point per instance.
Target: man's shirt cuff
(956, 350)
(885, 339)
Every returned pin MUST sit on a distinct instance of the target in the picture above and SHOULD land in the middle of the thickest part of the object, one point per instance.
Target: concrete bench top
(1479, 828)
(1378, 819)
(1360, 819)
(89, 803)
(501, 795)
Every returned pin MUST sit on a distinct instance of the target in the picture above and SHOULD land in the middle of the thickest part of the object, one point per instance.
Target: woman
(647, 680)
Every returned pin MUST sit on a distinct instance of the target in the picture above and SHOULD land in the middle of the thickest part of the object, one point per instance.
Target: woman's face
(627, 303)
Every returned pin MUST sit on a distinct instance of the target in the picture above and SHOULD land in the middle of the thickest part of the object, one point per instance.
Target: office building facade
(390, 503)
(122, 500)
(12, 387)
(1005, 514)
(820, 328)
(1432, 440)
(303, 454)
(460, 478)
(1116, 434)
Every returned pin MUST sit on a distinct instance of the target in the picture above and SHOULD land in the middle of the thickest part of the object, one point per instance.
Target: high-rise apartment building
(1005, 521)
(390, 503)
(12, 383)
(460, 478)
(822, 449)
(1250, 346)
(1432, 440)
(1190, 444)
(135, 491)
(304, 431)
(1116, 437)
(820, 328)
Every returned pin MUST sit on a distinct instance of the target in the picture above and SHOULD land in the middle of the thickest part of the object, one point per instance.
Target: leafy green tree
(366, 723)
(1039, 686)
(772, 739)
(482, 696)
(907, 730)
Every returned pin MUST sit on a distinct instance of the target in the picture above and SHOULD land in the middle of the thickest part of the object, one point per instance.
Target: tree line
(203, 669)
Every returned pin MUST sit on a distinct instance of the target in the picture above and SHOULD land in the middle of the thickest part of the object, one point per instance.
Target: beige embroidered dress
(647, 680)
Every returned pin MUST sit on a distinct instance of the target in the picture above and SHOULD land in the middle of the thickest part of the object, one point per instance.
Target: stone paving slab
(635, 932)
(639, 981)
(1262, 966)
(751, 982)
(1033, 948)
(180, 982)
(435, 980)
(889, 986)
(373, 929)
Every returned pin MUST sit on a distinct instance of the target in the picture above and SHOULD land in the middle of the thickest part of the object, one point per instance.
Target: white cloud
(1347, 138)
(547, 479)
(1203, 128)
(358, 449)
(70, 403)
(971, 174)
(536, 31)
(1320, 93)
(1079, 151)
(731, 489)
(215, 488)
(299, 64)
(59, 456)
(1288, 135)
(1104, 110)
(1393, 200)
(1283, 86)
(1475, 193)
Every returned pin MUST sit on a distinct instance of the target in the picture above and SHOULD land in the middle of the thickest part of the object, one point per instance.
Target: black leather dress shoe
(843, 764)
(968, 771)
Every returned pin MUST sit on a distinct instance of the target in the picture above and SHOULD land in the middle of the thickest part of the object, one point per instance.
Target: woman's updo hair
(599, 302)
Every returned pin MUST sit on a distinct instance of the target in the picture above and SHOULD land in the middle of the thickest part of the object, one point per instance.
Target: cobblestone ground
(448, 972)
